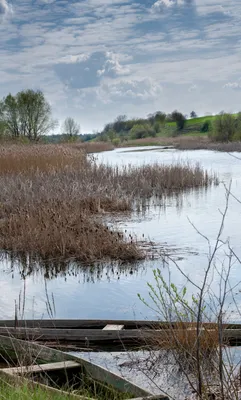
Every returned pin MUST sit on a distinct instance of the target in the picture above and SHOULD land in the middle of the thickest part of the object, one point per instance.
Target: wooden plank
(99, 324)
(74, 335)
(42, 367)
(87, 337)
(113, 328)
(95, 371)
(77, 324)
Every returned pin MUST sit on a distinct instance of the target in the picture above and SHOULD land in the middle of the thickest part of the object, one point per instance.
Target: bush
(140, 131)
(206, 126)
(179, 118)
(224, 128)
(157, 127)
(116, 141)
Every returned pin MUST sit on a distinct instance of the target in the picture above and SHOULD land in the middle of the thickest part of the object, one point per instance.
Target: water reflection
(27, 267)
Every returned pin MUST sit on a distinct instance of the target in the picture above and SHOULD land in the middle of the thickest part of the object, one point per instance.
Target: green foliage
(116, 141)
(27, 114)
(27, 392)
(179, 119)
(157, 127)
(224, 127)
(140, 131)
(193, 114)
(206, 126)
(158, 116)
(170, 303)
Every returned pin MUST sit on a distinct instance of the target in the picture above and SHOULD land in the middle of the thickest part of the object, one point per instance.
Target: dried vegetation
(53, 198)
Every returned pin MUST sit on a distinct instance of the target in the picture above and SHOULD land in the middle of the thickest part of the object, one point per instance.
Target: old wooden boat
(96, 334)
(40, 365)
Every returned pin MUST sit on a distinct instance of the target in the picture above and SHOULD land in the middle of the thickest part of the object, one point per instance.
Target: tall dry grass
(17, 159)
(94, 147)
(53, 198)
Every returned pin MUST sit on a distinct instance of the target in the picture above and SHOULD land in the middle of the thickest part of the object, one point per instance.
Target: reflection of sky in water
(111, 294)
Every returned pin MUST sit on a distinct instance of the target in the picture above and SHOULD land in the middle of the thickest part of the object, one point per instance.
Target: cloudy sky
(96, 59)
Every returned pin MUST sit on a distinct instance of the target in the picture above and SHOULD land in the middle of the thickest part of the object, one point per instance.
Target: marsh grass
(95, 147)
(183, 339)
(53, 199)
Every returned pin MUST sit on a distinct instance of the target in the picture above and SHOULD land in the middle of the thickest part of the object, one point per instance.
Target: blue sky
(96, 59)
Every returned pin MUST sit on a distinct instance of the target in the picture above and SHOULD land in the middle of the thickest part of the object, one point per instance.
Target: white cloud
(4, 7)
(72, 59)
(160, 5)
(112, 67)
(233, 85)
(129, 90)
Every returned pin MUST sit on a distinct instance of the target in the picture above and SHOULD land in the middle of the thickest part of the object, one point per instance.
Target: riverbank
(185, 142)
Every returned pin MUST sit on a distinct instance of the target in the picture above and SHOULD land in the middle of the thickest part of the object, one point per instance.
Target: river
(111, 292)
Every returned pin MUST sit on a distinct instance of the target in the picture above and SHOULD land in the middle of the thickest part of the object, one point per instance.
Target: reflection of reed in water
(26, 266)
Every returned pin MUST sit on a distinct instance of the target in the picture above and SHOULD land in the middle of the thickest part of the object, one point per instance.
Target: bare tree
(70, 128)
(195, 332)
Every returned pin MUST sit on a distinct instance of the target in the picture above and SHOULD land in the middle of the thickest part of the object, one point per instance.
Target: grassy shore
(28, 392)
(53, 199)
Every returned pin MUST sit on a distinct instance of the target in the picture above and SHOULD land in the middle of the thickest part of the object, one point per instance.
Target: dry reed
(94, 147)
(52, 198)
(183, 338)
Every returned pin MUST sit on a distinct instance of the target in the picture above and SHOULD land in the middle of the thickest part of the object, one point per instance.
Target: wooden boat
(39, 362)
(96, 334)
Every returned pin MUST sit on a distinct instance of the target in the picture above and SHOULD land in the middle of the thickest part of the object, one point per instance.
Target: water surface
(111, 291)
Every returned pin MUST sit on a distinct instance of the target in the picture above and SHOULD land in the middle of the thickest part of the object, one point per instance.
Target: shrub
(140, 131)
(179, 118)
(224, 128)
(116, 141)
(206, 126)
(157, 127)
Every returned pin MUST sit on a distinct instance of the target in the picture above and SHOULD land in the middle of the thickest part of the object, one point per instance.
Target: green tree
(140, 131)
(27, 114)
(10, 115)
(158, 116)
(179, 118)
(193, 114)
(206, 126)
(224, 127)
(120, 123)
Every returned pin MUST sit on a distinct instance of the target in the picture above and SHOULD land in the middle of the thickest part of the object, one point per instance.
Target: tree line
(138, 128)
(28, 116)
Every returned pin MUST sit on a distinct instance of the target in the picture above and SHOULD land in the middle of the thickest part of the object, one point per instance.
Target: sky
(97, 59)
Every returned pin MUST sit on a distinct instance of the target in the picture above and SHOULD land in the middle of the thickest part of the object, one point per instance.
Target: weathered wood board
(98, 373)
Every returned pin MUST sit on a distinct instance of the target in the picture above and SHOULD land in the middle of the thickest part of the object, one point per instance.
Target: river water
(111, 292)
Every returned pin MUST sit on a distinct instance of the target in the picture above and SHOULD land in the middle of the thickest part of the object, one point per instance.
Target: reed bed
(16, 159)
(53, 199)
(58, 233)
(94, 147)
(208, 145)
